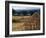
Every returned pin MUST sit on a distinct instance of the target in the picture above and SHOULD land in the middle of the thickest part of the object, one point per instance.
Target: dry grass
(22, 23)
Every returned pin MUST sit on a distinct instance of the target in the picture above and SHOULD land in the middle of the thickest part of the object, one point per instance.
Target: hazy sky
(23, 8)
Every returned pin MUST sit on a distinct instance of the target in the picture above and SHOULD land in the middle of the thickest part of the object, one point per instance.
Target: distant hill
(24, 12)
